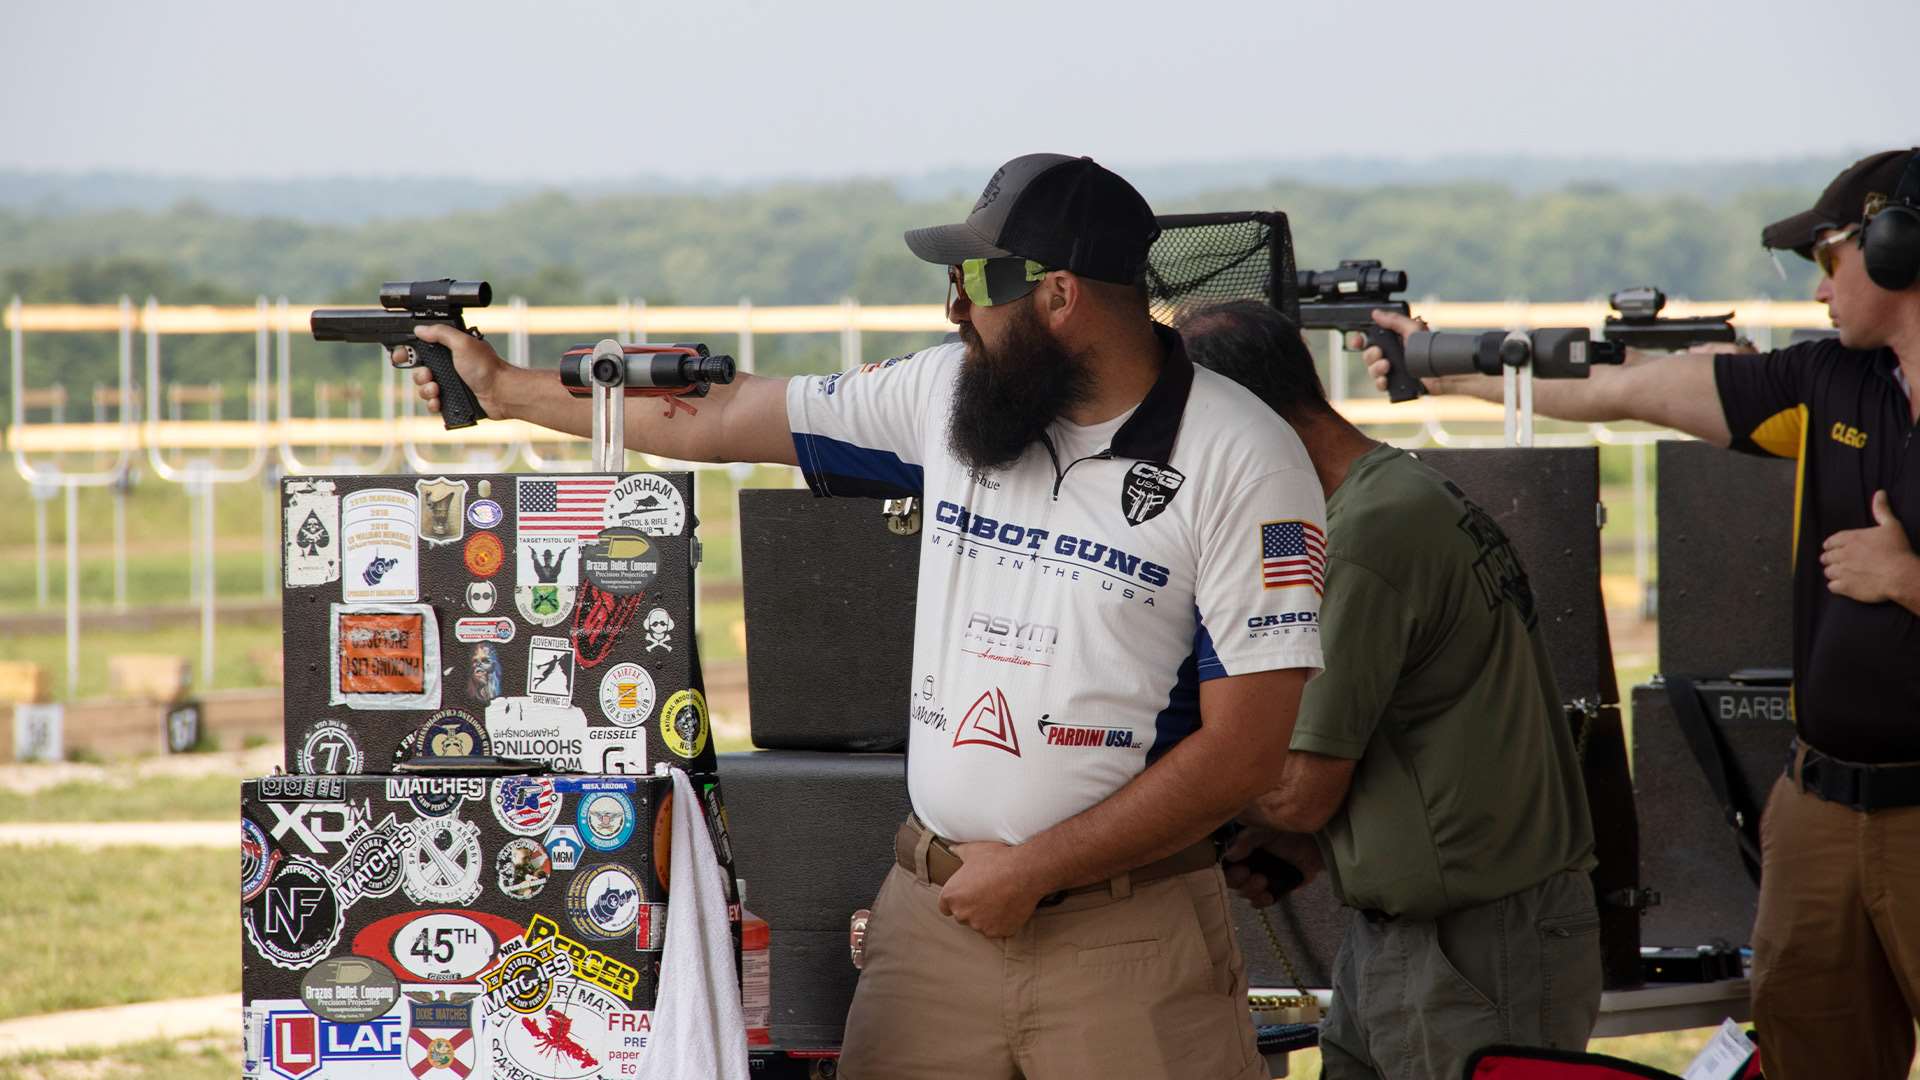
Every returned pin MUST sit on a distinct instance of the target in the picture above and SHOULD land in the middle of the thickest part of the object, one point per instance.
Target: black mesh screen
(1203, 259)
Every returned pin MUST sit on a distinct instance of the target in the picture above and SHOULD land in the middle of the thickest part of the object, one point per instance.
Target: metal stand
(1517, 388)
(609, 413)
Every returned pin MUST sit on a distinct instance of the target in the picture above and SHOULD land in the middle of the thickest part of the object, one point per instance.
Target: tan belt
(941, 862)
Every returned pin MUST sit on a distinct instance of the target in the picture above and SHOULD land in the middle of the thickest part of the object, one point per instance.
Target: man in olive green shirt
(1431, 759)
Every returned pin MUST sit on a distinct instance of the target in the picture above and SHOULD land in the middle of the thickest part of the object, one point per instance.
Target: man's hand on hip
(1876, 564)
(479, 366)
(991, 892)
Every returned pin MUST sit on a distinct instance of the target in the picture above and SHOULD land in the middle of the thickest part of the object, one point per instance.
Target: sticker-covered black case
(451, 927)
(538, 616)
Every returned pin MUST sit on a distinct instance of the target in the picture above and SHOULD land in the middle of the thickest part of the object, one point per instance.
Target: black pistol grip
(1400, 385)
(458, 407)
(1282, 876)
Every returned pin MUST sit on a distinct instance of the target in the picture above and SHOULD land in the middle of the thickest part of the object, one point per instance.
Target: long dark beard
(1006, 397)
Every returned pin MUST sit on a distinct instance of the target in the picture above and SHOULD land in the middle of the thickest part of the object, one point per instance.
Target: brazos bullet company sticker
(620, 561)
(683, 723)
(349, 989)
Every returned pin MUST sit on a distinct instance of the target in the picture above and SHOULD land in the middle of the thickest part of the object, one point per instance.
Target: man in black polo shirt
(1836, 981)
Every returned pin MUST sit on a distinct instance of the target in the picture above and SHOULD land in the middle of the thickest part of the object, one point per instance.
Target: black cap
(1842, 204)
(1065, 213)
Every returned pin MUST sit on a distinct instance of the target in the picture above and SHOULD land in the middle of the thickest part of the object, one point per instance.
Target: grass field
(212, 1058)
(89, 928)
(154, 798)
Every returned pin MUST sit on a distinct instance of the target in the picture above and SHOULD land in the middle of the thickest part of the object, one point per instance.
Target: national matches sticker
(329, 749)
(484, 555)
(525, 805)
(384, 657)
(606, 819)
(443, 509)
(627, 694)
(435, 795)
(349, 989)
(379, 541)
(311, 527)
(683, 723)
(371, 867)
(522, 868)
(621, 561)
(603, 901)
(442, 863)
(296, 919)
(648, 502)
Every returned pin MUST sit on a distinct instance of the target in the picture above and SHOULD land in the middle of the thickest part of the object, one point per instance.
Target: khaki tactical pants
(1836, 943)
(1412, 999)
(1144, 985)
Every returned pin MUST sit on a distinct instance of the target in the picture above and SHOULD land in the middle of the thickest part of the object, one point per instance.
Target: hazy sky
(559, 90)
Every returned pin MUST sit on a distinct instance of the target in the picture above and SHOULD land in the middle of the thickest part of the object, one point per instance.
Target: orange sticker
(382, 653)
(485, 554)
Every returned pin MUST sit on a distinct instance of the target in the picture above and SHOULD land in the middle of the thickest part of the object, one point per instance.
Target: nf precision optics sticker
(379, 530)
(384, 657)
(296, 919)
(311, 526)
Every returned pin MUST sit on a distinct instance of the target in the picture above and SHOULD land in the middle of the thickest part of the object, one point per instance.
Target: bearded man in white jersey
(1117, 610)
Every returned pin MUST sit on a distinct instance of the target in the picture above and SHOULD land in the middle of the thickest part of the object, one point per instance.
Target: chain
(1589, 710)
(1286, 961)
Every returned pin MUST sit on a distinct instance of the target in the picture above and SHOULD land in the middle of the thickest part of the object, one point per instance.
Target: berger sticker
(350, 989)
(550, 670)
(589, 965)
(626, 695)
(383, 657)
(648, 502)
(442, 863)
(621, 561)
(524, 728)
(311, 533)
(329, 748)
(296, 919)
(443, 509)
(379, 530)
(546, 579)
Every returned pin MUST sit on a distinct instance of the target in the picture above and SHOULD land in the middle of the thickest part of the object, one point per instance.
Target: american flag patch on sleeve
(1293, 553)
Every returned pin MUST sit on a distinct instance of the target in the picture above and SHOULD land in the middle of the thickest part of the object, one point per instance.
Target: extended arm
(1675, 391)
(745, 420)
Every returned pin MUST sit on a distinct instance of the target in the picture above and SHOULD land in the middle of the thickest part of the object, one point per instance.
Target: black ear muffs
(1890, 240)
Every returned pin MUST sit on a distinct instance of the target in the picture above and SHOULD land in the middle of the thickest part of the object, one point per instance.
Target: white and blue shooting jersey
(1071, 604)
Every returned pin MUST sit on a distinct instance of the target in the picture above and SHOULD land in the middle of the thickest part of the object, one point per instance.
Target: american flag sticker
(563, 507)
(1293, 553)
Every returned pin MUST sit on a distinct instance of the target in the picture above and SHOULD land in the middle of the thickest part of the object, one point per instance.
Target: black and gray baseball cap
(1065, 213)
(1842, 204)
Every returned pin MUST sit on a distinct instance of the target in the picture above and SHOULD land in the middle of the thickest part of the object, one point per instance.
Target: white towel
(699, 1031)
